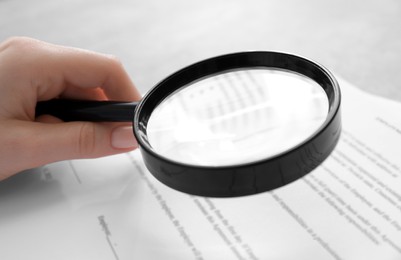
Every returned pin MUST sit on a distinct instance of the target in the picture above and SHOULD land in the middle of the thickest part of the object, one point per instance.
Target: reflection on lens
(237, 117)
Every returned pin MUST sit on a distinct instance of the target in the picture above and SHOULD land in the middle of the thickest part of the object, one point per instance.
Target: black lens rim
(247, 178)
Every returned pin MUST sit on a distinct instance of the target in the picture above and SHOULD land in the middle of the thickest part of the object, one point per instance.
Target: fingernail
(122, 138)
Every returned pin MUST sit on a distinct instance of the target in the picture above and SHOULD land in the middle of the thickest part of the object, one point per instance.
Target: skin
(32, 71)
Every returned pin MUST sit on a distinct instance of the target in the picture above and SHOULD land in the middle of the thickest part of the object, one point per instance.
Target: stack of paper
(112, 208)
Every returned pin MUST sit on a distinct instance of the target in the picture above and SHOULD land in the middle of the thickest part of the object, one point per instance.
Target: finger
(85, 69)
(52, 70)
(48, 119)
(34, 144)
(73, 92)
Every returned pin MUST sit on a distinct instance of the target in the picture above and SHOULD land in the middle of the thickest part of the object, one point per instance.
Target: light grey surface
(359, 40)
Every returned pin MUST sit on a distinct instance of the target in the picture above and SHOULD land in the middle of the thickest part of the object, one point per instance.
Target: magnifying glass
(233, 125)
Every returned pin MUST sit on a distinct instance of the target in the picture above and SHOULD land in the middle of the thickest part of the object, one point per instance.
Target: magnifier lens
(237, 117)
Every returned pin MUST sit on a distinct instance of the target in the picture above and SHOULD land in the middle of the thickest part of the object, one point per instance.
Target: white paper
(113, 208)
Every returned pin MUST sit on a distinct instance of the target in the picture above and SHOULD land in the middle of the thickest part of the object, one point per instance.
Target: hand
(32, 71)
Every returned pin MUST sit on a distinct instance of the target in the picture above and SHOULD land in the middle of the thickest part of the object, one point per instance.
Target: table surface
(358, 40)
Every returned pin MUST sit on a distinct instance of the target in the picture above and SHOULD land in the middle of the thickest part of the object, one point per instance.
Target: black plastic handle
(87, 110)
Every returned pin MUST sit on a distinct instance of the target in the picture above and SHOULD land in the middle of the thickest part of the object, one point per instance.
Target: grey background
(358, 40)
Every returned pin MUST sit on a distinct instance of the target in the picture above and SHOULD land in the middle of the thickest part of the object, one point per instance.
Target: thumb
(32, 144)
(91, 140)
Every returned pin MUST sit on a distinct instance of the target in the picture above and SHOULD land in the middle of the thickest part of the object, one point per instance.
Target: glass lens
(237, 117)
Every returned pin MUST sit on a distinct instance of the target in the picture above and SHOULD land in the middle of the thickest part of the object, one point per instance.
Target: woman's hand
(32, 71)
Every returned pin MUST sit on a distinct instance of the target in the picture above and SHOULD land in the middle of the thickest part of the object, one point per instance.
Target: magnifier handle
(87, 110)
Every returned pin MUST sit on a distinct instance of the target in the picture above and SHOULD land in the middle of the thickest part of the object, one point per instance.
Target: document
(113, 208)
